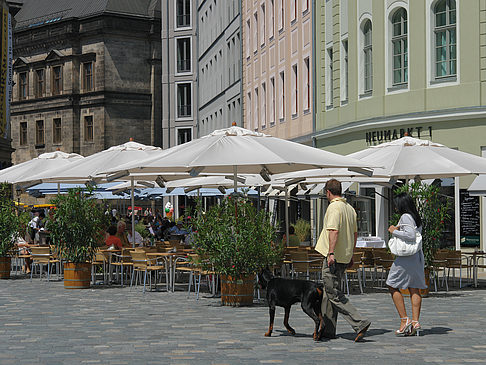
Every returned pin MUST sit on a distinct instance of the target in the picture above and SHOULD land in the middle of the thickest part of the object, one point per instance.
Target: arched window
(368, 56)
(400, 47)
(445, 38)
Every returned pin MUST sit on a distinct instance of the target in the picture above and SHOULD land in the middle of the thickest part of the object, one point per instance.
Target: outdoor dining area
(234, 161)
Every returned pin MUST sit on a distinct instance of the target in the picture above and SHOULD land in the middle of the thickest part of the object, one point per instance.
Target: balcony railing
(184, 65)
(183, 20)
(184, 111)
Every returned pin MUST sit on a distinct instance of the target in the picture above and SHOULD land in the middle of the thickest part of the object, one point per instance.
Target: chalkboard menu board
(470, 220)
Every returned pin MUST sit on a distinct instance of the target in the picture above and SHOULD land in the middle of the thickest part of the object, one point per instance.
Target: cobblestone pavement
(43, 323)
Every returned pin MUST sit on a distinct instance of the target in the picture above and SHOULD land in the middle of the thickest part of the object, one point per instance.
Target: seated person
(137, 236)
(23, 247)
(294, 241)
(112, 239)
(121, 234)
(177, 229)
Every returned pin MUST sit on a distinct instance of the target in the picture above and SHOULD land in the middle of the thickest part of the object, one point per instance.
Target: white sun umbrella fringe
(238, 150)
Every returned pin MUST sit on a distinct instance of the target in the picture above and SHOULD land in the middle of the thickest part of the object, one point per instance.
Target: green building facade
(389, 67)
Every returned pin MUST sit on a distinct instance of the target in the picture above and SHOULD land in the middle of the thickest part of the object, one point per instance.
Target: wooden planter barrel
(237, 292)
(5, 265)
(77, 276)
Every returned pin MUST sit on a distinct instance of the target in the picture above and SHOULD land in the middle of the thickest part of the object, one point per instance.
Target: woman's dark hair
(112, 230)
(405, 204)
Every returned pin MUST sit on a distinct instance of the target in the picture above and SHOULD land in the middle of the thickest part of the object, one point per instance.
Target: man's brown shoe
(361, 334)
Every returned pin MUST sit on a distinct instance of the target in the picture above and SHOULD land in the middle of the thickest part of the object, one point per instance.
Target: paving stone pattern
(43, 323)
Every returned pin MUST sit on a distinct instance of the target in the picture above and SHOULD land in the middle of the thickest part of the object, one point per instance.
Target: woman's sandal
(415, 329)
(406, 329)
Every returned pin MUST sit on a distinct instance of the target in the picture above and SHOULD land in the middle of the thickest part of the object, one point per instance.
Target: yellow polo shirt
(340, 216)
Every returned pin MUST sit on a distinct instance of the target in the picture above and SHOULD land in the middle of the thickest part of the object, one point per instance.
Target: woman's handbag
(400, 247)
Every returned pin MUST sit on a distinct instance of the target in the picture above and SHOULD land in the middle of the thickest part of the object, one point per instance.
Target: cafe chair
(41, 256)
(141, 264)
(355, 269)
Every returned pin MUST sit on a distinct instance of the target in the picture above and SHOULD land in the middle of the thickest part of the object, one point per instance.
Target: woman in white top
(407, 272)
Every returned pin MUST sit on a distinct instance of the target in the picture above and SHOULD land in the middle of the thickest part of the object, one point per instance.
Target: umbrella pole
(287, 214)
(58, 188)
(235, 182)
(132, 188)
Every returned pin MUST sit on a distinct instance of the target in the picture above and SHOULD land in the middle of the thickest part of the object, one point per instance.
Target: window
(23, 134)
(282, 97)
(272, 19)
(445, 38)
(307, 89)
(247, 38)
(39, 133)
(56, 80)
(256, 114)
(281, 18)
(88, 128)
(23, 86)
(184, 135)
(40, 83)
(184, 100)
(88, 76)
(183, 55)
(329, 78)
(400, 47)
(293, 10)
(295, 91)
(262, 25)
(255, 32)
(57, 131)
(368, 57)
(183, 13)
(249, 107)
(305, 5)
(264, 106)
(273, 104)
(345, 77)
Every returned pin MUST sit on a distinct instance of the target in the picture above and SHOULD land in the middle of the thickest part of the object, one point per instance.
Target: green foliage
(302, 229)
(10, 225)
(140, 228)
(78, 225)
(433, 209)
(234, 238)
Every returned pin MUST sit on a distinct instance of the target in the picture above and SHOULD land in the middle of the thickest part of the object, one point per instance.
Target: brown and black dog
(286, 292)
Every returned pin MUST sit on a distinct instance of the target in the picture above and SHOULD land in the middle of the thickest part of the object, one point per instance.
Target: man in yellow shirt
(336, 243)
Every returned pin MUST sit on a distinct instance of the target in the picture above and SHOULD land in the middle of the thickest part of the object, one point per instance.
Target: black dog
(286, 292)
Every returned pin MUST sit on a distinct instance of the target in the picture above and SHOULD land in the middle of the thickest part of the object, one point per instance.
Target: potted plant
(302, 230)
(10, 224)
(77, 228)
(433, 208)
(234, 240)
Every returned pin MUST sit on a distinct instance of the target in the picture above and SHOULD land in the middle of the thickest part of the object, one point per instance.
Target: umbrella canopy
(407, 158)
(404, 158)
(44, 163)
(236, 148)
(216, 181)
(90, 167)
(478, 186)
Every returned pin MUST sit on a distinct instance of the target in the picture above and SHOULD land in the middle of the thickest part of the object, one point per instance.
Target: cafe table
(168, 257)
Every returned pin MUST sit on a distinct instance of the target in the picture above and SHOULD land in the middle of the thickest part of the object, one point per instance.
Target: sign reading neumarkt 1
(386, 135)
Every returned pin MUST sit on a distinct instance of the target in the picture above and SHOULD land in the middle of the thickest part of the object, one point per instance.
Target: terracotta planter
(423, 292)
(237, 292)
(77, 276)
(5, 265)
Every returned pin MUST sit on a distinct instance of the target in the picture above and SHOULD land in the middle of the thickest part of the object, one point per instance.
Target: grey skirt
(407, 272)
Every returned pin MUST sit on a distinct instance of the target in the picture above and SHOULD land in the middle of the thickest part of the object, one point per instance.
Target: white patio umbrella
(42, 164)
(478, 186)
(240, 150)
(91, 167)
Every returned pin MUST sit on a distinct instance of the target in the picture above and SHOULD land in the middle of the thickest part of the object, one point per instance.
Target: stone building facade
(87, 76)
(219, 64)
